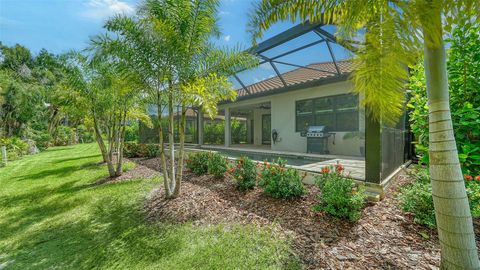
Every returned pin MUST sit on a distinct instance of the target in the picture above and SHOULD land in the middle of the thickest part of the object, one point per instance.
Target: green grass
(52, 217)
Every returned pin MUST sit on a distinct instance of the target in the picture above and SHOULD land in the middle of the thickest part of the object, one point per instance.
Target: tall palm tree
(168, 44)
(397, 32)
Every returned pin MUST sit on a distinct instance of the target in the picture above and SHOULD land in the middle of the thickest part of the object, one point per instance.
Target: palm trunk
(454, 220)
(101, 145)
(181, 153)
(163, 162)
(121, 144)
(171, 142)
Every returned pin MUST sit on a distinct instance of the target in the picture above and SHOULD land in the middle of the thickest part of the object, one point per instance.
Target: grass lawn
(52, 217)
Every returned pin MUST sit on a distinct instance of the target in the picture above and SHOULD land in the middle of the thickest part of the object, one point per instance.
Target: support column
(200, 126)
(373, 150)
(228, 127)
(249, 129)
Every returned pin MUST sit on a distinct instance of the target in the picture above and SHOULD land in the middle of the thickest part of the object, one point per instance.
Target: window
(304, 115)
(338, 113)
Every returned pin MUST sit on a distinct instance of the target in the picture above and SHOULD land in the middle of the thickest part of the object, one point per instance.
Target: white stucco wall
(283, 119)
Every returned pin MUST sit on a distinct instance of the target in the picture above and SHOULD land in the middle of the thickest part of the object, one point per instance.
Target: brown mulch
(384, 238)
(139, 171)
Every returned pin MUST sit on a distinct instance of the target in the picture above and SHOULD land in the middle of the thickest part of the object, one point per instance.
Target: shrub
(130, 149)
(84, 135)
(217, 165)
(42, 139)
(463, 76)
(132, 132)
(473, 193)
(152, 150)
(140, 150)
(239, 131)
(339, 195)
(214, 132)
(12, 155)
(244, 173)
(64, 136)
(198, 162)
(417, 198)
(278, 181)
(19, 146)
(15, 146)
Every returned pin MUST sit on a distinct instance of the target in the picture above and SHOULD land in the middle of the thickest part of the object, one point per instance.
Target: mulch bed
(384, 238)
(139, 171)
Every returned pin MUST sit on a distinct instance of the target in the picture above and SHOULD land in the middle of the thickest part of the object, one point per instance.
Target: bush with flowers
(339, 195)
(217, 165)
(198, 162)
(243, 170)
(278, 181)
(141, 150)
(472, 184)
(417, 197)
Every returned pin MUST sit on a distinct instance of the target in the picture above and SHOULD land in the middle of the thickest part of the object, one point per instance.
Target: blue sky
(60, 25)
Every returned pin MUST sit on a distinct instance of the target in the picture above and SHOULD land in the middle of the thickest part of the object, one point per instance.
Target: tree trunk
(163, 162)
(181, 153)
(171, 142)
(101, 145)
(452, 211)
(121, 143)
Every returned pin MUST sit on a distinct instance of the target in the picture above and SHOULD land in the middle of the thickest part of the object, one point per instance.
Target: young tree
(396, 33)
(109, 99)
(168, 45)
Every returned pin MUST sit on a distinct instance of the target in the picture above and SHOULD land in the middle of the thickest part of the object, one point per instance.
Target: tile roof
(297, 76)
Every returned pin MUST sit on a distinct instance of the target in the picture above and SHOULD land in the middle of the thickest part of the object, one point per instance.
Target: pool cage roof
(303, 55)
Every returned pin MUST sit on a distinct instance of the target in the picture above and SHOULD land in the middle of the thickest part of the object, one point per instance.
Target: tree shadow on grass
(75, 158)
(111, 235)
(40, 193)
(57, 172)
(36, 213)
(58, 149)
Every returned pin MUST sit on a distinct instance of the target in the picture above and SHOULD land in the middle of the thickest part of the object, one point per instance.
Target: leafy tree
(463, 66)
(110, 101)
(16, 89)
(15, 58)
(397, 32)
(58, 100)
(33, 99)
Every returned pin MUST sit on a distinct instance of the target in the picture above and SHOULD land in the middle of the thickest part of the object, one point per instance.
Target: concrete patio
(354, 166)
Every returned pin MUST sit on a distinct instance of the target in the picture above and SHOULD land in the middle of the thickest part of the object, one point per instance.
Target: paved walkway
(356, 168)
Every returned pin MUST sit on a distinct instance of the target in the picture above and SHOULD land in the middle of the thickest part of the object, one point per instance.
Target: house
(304, 84)
(306, 91)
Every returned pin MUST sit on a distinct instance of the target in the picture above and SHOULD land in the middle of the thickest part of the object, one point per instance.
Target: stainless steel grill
(317, 139)
(317, 131)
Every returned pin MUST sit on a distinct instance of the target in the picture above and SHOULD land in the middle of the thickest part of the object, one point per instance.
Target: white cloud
(227, 38)
(101, 9)
(223, 13)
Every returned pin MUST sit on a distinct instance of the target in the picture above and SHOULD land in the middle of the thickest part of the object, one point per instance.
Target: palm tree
(109, 100)
(168, 44)
(397, 32)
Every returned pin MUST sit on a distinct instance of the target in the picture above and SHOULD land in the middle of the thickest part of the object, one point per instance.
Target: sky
(62, 25)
